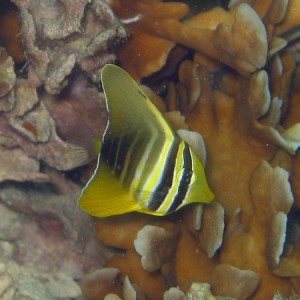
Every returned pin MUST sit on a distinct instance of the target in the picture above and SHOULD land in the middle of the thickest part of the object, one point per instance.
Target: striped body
(143, 164)
(151, 170)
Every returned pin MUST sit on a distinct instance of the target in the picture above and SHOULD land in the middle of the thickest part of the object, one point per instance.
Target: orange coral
(291, 19)
(146, 53)
(101, 282)
(10, 29)
(239, 112)
(154, 284)
(293, 115)
(120, 232)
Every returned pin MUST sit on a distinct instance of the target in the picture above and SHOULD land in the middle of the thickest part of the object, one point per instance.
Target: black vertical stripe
(185, 179)
(134, 157)
(115, 151)
(109, 151)
(123, 146)
(166, 179)
(153, 144)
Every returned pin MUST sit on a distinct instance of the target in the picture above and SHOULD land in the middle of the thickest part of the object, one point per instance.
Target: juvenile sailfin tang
(143, 164)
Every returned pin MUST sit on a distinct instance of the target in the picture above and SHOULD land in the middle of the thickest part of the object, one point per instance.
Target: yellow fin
(104, 196)
(144, 166)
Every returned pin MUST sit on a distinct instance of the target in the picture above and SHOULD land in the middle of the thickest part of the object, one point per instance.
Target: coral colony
(228, 75)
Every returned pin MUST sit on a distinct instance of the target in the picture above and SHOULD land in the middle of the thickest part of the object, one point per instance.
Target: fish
(143, 165)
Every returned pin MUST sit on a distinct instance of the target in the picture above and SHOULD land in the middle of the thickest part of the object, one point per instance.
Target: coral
(146, 53)
(10, 36)
(16, 165)
(272, 14)
(247, 282)
(239, 90)
(174, 293)
(195, 141)
(210, 234)
(153, 284)
(217, 34)
(17, 281)
(34, 129)
(199, 291)
(155, 245)
(230, 79)
(49, 229)
(59, 35)
(53, 243)
(8, 76)
(226, 41)
(290, 21)
(121, 231)
(99, 283)
(189, 85)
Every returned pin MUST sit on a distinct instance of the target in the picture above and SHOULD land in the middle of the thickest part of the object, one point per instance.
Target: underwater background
(228, 70)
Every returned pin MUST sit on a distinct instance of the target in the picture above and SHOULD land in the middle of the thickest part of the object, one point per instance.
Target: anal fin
(104, 195)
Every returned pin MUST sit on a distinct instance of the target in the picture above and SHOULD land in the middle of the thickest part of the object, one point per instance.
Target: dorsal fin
(126, 104)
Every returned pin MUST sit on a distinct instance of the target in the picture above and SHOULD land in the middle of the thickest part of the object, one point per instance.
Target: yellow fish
(143, 164)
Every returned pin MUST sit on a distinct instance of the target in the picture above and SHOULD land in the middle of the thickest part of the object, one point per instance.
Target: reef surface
(228, 71)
